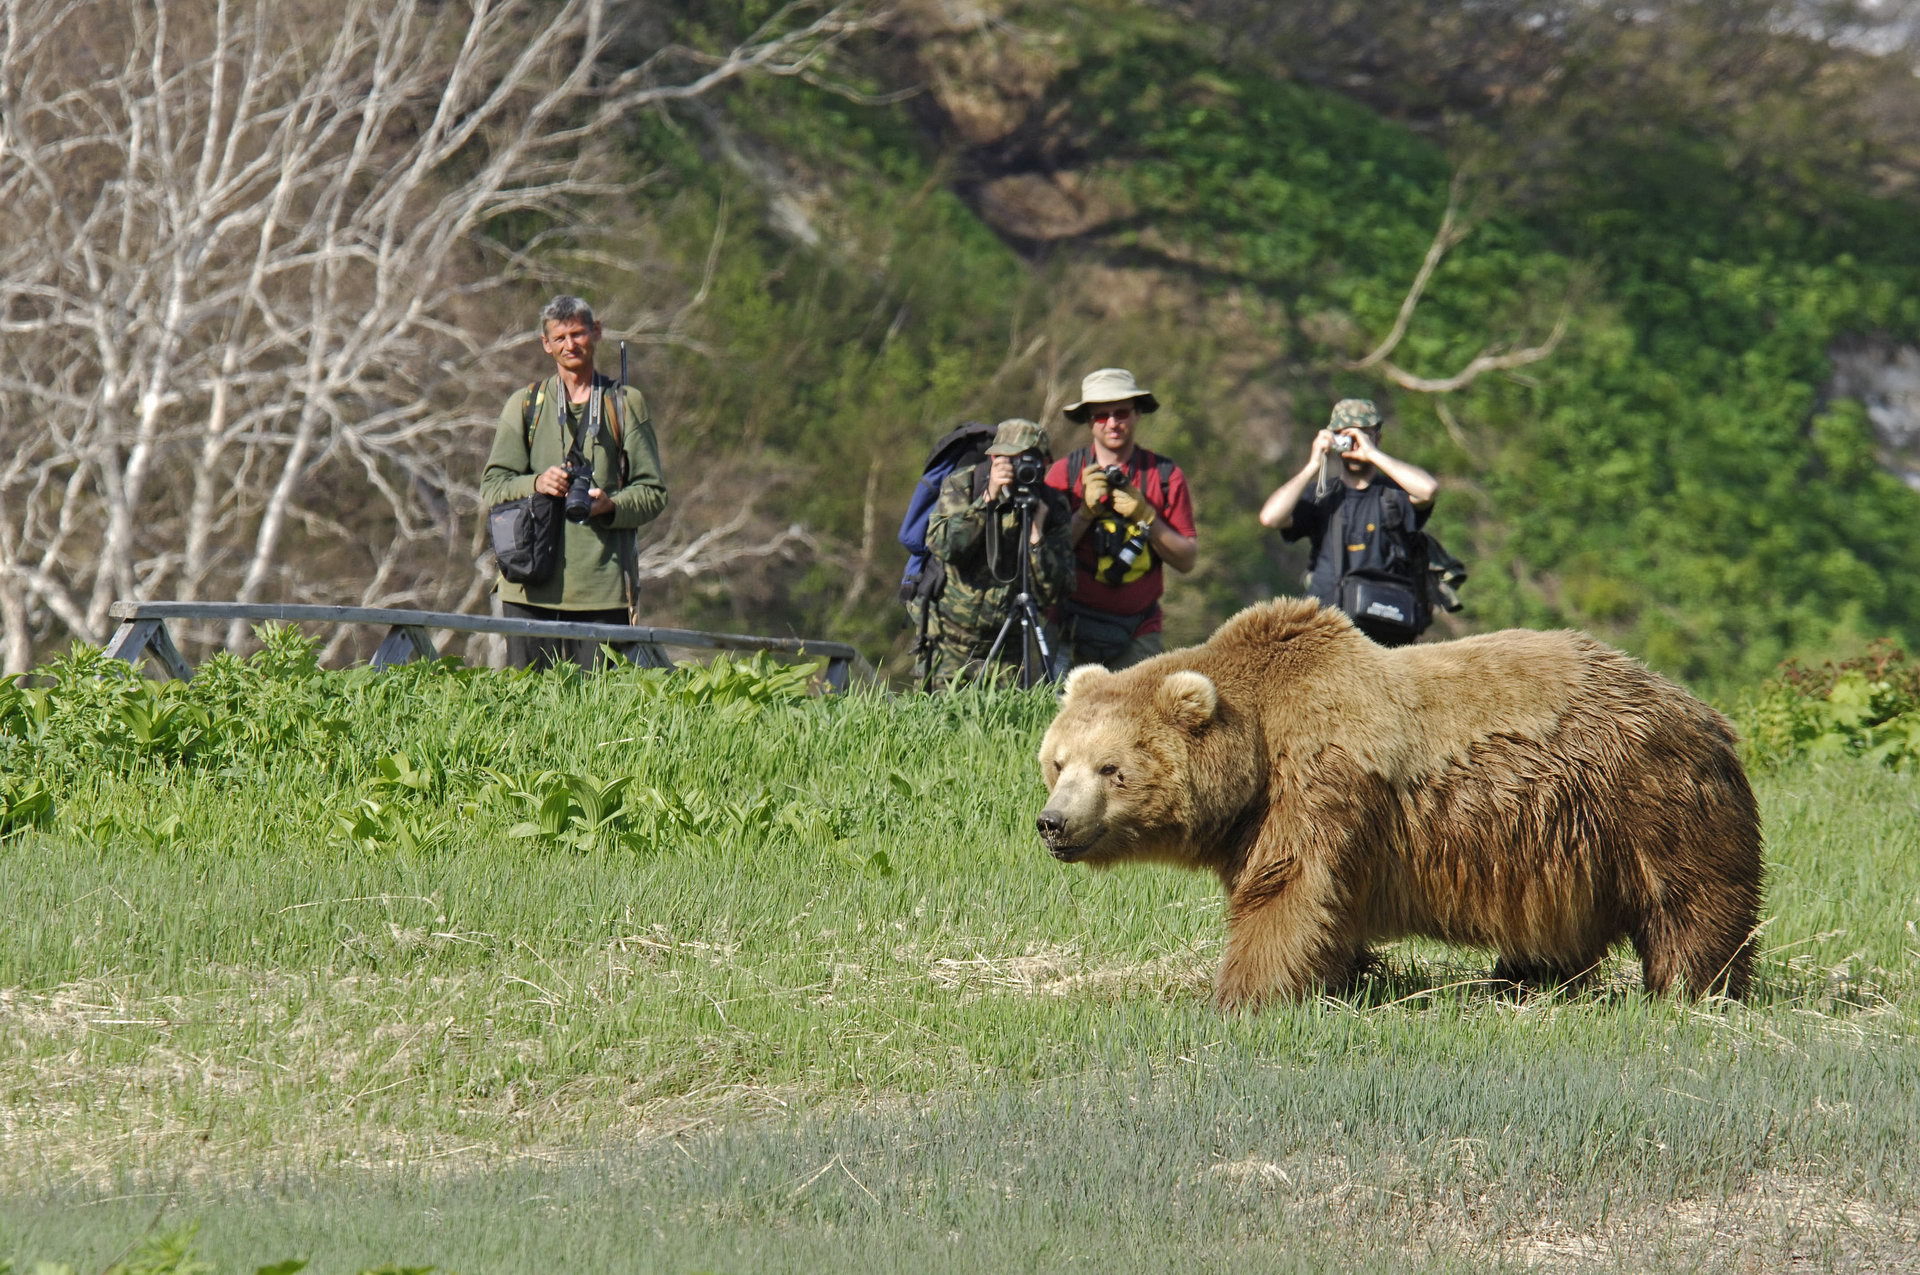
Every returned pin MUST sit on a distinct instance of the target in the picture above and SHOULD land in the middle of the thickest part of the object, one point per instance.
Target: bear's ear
(1083, 679)
(1189, 698)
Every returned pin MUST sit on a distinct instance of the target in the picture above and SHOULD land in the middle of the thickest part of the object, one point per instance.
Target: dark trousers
(545, 652)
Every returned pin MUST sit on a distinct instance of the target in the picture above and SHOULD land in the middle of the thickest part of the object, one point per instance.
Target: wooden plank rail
(143, 633)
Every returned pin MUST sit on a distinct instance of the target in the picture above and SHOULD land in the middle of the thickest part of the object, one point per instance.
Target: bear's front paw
(1239, 995)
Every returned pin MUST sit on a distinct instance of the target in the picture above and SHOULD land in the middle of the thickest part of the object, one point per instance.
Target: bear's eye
(1109, 769)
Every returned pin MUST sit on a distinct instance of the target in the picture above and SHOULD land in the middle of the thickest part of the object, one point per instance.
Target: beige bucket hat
(1110, 385)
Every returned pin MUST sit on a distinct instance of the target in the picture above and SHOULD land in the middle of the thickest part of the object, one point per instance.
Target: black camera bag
(525, 536)
(1382, 603)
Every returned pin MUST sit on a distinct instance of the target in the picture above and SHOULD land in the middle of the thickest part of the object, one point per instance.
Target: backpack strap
(529, 408)
(981, 470)
(1077, 460)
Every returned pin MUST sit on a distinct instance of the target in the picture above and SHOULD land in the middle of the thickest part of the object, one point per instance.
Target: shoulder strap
(1161, 466)
(529, 406)
(619, 397)
(616, 392)
(1076, 461)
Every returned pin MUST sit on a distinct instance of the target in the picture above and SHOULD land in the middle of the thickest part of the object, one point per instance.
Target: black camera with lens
(1116, 477)
(579, 486)
(1029, 475)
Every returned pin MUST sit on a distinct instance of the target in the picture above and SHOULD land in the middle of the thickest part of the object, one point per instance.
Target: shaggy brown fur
(1538, 794)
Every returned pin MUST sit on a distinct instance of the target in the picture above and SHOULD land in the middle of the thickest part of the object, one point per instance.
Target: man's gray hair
(565, 309)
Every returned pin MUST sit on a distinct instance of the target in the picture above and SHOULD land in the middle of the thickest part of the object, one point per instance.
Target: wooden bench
(143, 633)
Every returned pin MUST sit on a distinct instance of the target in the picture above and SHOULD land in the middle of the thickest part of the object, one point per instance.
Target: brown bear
(1538, 794)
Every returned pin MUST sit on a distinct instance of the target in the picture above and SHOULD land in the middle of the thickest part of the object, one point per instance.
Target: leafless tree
(1493, 358)
(251, 269)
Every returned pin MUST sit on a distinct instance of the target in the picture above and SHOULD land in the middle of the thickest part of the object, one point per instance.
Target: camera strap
(596, 411)
(588, 427)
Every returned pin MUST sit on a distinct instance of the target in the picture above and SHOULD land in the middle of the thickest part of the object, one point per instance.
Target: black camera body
(1029, 476)
(1116, 477)
(579, 485)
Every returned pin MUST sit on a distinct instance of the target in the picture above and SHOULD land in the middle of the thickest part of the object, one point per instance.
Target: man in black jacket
(1377, 507)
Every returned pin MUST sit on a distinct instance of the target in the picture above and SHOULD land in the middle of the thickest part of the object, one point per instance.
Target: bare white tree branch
(245, 274)
(1491, 358)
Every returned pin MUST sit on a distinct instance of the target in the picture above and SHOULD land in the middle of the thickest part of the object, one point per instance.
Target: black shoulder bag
(525, 533)
(1375, 599)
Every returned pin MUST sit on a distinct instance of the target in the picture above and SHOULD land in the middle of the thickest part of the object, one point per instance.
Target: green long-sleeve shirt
(590, 575)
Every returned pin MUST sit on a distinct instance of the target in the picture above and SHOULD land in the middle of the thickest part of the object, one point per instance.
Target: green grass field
(693, 973)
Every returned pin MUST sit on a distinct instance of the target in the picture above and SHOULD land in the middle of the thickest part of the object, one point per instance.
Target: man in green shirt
(595, 581)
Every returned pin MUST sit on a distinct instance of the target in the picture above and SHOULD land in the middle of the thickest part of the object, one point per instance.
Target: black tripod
(1023, 620)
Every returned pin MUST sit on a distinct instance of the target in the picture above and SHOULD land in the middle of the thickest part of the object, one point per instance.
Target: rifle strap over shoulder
(619, 443)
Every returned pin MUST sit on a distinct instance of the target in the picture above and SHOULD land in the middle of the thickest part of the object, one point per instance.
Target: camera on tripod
(1029, 475)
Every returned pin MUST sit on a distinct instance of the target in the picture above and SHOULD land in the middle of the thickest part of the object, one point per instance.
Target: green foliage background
(1672, 477)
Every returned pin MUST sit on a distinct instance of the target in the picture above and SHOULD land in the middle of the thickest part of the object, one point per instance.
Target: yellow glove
(1093, 483)
(1132, 506)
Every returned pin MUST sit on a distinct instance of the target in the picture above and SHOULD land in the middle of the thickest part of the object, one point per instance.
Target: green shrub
(1867, 706)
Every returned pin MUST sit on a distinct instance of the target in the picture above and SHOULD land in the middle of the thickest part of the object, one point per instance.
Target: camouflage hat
(1110, 385)
(1013, 436)
(1354, 413)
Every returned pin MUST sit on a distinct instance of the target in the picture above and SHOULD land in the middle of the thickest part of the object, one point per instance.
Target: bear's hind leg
(1704, 944)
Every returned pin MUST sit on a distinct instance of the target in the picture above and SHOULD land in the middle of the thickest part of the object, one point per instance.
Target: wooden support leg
(644, 654)
(404, 644)
(136, 639)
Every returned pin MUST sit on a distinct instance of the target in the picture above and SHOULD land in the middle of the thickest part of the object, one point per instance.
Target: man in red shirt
(1132, 513)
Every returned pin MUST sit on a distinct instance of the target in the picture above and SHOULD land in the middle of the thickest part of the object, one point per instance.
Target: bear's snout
(1053, 832)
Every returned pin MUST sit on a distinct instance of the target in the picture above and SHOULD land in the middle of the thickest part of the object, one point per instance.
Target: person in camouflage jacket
(972, 531)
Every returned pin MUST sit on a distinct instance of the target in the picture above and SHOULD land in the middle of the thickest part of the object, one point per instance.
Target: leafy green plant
(376, 826)
(23, 709)
(736, 687)
(158, 726)
(578, 812)
(1868, 706)
(162, 834)
(396, 774)
(22, 806)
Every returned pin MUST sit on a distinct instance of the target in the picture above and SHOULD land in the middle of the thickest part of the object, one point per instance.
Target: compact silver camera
(1344, 443)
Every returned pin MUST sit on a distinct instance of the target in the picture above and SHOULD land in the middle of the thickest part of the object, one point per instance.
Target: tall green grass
(818, 1000)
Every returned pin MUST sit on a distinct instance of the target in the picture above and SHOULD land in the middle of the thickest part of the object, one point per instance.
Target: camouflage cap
(1015, 435)
(1354, 413)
